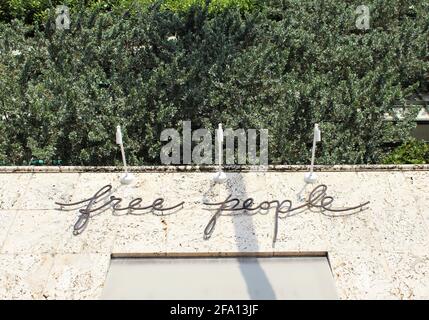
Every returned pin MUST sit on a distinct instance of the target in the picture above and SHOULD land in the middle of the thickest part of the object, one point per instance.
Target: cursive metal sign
(114, 202)
(317, 198)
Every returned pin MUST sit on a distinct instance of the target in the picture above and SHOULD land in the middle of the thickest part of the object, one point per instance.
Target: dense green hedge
(410, 152)
(32, 11)
(283, 68)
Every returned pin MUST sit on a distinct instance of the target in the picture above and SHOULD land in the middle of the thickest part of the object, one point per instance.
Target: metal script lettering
(114, 202)
(317, 199)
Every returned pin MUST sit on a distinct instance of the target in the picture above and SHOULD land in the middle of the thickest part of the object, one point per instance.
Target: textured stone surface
(12, 186)
(381, 252)
(6, 220)
(36, 232)
(363, 275)
(24, 276)
(43, 189)
(77, 276)
(411, 273)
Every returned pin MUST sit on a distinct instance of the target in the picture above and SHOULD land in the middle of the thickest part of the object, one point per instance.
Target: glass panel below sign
(216, 278)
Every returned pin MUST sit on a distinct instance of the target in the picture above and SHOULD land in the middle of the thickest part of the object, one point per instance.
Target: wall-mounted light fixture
(220, 176)
(126, 178)
(310, 177)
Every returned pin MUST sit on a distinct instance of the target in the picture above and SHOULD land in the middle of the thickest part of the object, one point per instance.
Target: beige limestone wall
(379, 253)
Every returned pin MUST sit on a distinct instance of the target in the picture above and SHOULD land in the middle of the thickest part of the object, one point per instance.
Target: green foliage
(214, 5)
(283, 68)
(411, 152)
(37, 10)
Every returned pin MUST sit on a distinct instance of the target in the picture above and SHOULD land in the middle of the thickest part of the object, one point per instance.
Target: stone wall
(378, 253)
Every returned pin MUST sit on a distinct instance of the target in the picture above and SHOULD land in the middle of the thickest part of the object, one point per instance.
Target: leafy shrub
(214, 5)
(411, 152)
(283, 68)
(32, 11)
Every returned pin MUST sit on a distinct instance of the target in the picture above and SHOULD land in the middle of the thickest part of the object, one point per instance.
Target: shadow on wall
(258, 284)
